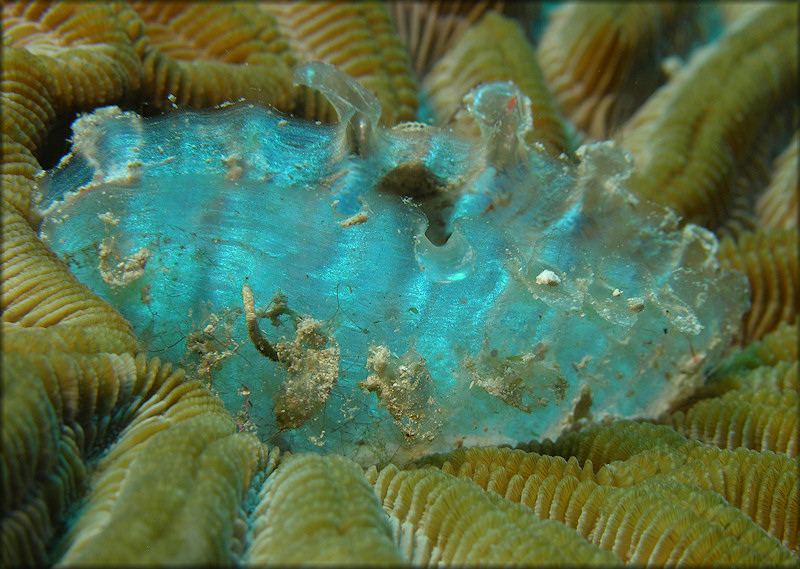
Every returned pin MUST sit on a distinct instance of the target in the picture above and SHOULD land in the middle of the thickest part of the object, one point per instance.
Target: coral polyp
(231, 281)
(405, 268)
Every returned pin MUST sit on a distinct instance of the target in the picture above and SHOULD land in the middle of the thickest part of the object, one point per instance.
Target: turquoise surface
(542, 294)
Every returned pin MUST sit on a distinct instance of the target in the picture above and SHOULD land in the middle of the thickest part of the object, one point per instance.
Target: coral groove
(686, 145)
(769, 260)
(108, 456)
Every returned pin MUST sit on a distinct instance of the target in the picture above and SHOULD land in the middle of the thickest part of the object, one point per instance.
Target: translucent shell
(340, 213)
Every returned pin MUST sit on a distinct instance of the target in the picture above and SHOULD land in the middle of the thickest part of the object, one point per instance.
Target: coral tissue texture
(109, 456)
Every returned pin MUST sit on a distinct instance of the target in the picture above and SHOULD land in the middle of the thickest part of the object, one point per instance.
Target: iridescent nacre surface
(416, 278)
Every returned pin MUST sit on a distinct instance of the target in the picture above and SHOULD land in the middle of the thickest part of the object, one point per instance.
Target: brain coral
(108, 454)
(204, 54)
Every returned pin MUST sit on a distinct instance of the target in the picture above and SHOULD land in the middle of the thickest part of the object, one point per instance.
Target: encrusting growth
(253, 331)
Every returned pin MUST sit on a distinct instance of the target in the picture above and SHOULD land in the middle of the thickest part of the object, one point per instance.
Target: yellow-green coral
(640, 468)
(88, 55)
(439, 519)
(429, 29)
(38, 289)
(601, 59)
(769, 259)
(17, 172)
(760, 420)
(358, 38)
(764, 486)
(28, 97)
(154, 466)
(777, 206)
(204, 54)
(781, 345)
(778, 377)
(324, 508)
(169, 490)
(685, 143)
(661, 522)
(495, 49)
(56, 405)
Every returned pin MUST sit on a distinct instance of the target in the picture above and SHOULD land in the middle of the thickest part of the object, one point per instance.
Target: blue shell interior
(551, 295)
